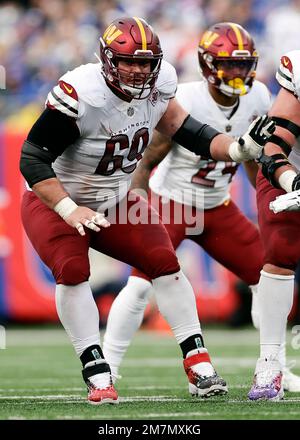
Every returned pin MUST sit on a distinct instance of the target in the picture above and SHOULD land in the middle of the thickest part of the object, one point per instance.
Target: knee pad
(140, 287)
(72, 271)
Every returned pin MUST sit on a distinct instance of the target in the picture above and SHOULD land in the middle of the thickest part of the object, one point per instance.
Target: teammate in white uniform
(279, 229)
(205, 180)
(187, 179)
(98, 121)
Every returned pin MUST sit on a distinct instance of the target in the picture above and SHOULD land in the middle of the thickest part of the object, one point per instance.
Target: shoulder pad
(63, 97)
(167, 80)
(289, 64)
(84, 84)
(185, 94)
(262, 95)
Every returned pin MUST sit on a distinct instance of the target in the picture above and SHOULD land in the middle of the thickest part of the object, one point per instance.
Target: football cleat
(203, 379)
(99, 384)
(291, 382)
(267, 382)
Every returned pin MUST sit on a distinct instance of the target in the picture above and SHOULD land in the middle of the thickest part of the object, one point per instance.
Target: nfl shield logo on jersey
(130, 111)
(154, 97)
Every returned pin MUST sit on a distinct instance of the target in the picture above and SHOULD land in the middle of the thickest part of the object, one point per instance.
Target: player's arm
(205, 141)
(52, 133)
(275, 166)
(154, 154)
(251, 169)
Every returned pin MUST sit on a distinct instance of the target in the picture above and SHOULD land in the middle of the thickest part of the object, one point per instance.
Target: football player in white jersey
(278, 197)
(97, 123)
(228, 99)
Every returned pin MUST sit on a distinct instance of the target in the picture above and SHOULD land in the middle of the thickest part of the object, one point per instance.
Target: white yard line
(158, 398)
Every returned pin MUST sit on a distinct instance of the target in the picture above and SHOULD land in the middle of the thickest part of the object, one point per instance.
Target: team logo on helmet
(111, 34)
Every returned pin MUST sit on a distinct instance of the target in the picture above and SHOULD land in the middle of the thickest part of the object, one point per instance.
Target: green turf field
(41, 379)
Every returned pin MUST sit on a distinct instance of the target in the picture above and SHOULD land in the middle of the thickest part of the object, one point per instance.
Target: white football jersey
(96, 170)
(187, 178)
(288, 76)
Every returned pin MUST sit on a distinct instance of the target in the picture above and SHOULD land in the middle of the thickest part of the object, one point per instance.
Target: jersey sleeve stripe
(68, 99)
(285, 80)
(60, 105)
(285, 72)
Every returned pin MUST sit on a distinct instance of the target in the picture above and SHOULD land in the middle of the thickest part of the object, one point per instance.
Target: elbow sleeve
(51, 134)
(195, 136)
(35, 163)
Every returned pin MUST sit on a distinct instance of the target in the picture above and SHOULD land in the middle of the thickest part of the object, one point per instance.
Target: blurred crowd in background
(42, 39)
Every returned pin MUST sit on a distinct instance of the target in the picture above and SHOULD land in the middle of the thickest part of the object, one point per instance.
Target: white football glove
(286, 202)
(250, 145)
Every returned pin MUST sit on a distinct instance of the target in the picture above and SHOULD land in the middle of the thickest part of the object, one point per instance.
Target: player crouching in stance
(78, 159)
(280, 225)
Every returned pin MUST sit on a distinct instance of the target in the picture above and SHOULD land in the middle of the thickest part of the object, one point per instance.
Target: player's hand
(286, 202)
(250, 145)
(85, 217)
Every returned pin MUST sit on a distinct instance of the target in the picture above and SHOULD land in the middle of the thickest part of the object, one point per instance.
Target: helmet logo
(208, 38)
(111, 34)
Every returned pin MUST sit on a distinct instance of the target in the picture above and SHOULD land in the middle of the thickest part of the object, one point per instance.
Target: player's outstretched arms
(204, 140)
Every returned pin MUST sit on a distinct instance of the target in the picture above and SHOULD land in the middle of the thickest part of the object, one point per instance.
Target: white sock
(176, 301)
(78, 314)
(282, 353)
(254, 306)
(255, 321)
(124, 319)
(275, 299)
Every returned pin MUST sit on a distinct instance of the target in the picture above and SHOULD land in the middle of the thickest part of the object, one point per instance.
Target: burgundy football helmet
(228, 58)
(130, 39)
